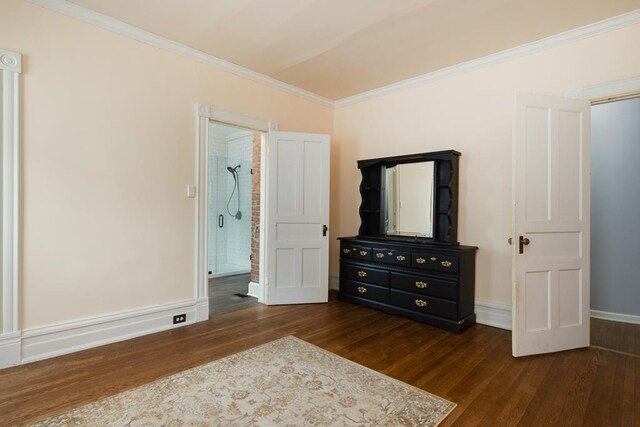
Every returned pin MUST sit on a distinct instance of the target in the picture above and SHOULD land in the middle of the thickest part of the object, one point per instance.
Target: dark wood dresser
(406, 258)
(424, 282)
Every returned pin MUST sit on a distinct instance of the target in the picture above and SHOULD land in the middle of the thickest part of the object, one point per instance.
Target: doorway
(615, 202)
(233, 222)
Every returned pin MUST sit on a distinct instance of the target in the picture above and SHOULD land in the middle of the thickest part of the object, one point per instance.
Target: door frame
(10, 328)
(205, 114)
(606, 90)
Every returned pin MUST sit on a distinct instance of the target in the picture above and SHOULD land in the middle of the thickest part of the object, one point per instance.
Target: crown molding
(112, 24)
(610, 24)
(117, 26)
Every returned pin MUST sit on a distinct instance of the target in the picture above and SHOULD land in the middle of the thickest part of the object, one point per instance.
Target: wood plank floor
(589, 387)
(222, 294)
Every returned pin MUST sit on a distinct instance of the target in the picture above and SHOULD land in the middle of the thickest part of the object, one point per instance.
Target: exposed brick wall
(255, 210)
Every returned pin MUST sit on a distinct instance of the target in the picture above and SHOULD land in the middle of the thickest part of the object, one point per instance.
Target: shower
(236, 188)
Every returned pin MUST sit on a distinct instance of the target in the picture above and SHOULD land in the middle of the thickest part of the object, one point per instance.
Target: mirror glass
(409, 199)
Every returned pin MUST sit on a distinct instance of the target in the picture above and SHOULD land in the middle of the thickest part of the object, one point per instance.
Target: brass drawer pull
(362, 273)
(421, 303)
(421, 285)
(362, 289)
(421, 260)
(400, 258)
(346, 251)
(433, 258)
(379, 255)
(446, 264)
(390, 253)
(363, 253)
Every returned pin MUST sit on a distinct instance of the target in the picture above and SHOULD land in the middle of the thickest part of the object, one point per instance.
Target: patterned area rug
(286, 382)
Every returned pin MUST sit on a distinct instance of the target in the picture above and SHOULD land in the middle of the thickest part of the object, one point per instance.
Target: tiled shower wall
(230, 245)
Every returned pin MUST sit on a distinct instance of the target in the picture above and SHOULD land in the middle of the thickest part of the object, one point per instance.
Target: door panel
(297, 210)
(551, 210)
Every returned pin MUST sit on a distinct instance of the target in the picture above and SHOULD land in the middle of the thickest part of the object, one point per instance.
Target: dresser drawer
(364, 274)
(365, 290)
(355, 252)
(391, 257)
(423, 304)
(433, 261)
(424, 285)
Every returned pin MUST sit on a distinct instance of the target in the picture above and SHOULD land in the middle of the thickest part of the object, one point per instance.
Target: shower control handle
(324, 230)
(220, 220)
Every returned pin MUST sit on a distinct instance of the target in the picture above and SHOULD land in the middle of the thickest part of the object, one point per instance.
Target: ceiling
(339, 48)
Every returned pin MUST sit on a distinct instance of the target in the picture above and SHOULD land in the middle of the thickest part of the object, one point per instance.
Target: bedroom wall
(471, 112)
(108, 148)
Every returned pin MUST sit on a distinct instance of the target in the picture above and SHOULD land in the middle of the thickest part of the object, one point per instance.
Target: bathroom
(234, 186)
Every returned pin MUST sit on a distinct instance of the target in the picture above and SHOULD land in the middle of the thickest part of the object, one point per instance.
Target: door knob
(523, 242)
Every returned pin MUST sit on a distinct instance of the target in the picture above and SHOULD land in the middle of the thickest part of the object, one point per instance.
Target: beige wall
(471, 112)
(108, 148)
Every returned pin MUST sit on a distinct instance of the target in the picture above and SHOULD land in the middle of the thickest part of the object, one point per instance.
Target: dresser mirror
(409, 199)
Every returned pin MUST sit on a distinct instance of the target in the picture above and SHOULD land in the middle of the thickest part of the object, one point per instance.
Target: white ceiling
(338, 48)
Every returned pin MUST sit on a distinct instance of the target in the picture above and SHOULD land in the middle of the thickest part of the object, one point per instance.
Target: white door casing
(297, 209)
(551, 209)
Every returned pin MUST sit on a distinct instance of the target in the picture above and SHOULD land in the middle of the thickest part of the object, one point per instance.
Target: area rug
(286, 382)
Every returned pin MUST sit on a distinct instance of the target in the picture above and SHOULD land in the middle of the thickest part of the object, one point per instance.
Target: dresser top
(382, 242)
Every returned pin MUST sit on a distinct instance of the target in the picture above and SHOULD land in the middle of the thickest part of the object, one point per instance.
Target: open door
(550, 239)
(297, 218)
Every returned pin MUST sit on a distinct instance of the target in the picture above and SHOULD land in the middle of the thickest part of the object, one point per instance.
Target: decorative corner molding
(606, 25)
(10, 61)
(204, 110)
(111, 24)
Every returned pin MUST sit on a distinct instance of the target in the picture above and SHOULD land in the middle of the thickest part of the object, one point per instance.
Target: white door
(551, 214)
(297, 218)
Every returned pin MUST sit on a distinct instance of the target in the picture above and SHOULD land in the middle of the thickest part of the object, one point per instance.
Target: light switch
(191, 191)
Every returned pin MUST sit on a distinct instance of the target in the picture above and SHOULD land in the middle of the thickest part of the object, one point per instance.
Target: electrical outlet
(179, 318)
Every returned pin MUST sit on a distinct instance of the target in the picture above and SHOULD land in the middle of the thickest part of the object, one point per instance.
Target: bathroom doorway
(234, 216)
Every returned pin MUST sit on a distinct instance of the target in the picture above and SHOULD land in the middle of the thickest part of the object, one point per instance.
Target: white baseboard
(255, 290)
(69, 337)
(334, 281)
(493, 314)
(616, 317)
(9, 350)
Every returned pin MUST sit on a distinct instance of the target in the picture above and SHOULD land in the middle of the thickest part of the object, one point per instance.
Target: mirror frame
(445, 202)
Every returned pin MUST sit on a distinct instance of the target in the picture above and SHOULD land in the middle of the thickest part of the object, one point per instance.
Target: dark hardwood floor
(222, 294)
(618, 336)
(590, 387)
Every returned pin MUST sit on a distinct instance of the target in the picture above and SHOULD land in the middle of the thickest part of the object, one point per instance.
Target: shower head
(232, 170)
